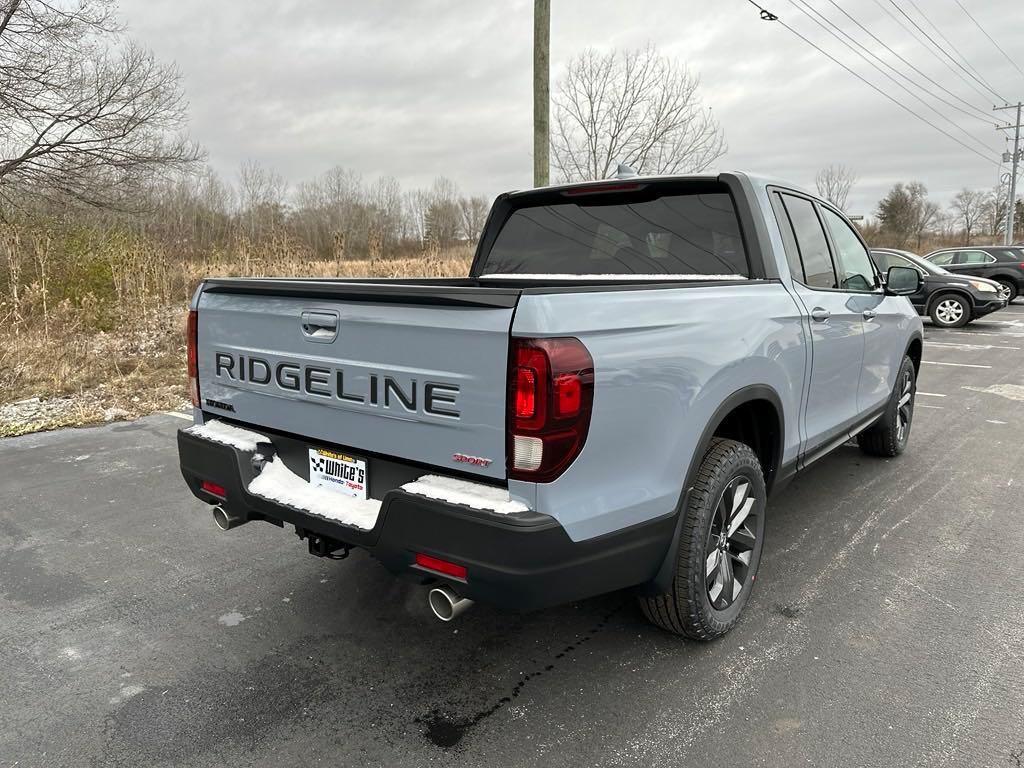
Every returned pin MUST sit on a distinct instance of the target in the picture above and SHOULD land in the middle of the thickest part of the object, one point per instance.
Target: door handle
(820, 314)
(869, 314)
(319, 326)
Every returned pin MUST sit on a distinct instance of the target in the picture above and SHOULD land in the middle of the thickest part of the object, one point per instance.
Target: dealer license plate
(337, 471)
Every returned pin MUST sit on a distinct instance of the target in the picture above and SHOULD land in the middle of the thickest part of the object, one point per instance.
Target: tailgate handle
(319, 325)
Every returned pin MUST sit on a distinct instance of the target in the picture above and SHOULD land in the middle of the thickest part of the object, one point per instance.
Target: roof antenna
(625, 172)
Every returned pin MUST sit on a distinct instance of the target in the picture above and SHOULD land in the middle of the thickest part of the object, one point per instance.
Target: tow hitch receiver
(321, 546)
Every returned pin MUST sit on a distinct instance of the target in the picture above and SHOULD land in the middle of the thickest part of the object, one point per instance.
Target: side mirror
(902, 281)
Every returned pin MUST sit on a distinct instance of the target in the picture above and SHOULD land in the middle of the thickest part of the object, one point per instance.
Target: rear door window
(974, 257)
(811, 240)
(884, 260)
(796, 268)
(645, 233)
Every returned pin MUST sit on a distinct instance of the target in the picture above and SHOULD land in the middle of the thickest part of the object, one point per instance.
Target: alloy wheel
(1004, 292)
(905, 409)
(730, 543)
(949, 311)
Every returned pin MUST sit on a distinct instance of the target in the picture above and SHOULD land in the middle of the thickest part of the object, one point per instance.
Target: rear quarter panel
(664, 361)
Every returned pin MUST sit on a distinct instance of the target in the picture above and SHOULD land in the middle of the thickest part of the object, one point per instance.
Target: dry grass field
(91, 328)
(92, 317)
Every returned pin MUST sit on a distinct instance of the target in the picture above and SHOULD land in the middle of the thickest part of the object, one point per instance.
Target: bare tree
(474, 212)
(925, 212)
(261, 197)
(442, 218)
(834, 183)
(996, 202)
(969, 207)
(635, 107)
(85, 114)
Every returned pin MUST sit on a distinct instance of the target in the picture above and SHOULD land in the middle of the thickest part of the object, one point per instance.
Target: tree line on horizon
(905, 217)
(95, 139)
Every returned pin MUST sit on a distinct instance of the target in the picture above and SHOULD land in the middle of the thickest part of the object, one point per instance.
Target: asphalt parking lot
(887, 626)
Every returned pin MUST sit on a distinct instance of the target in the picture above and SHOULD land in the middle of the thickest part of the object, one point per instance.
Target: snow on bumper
(279, 484)
(465, 493)
(228, 434)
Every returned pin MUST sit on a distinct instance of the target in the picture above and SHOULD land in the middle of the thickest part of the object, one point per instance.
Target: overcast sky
(419, 88)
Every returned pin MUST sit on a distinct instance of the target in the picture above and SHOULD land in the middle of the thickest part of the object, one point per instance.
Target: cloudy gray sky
(420, 88)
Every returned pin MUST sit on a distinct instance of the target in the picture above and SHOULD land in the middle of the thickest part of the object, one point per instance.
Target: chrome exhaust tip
(225, 520)
(445, 604)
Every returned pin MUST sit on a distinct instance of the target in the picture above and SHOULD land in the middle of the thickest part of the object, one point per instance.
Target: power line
(800, 6)
(986, 119)
(948, 42)
(980, 114)
(931, 49)
(767, 15)
(942, 50)
(986, 34)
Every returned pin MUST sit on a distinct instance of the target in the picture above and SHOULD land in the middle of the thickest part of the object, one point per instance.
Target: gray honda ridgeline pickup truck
(606, 401)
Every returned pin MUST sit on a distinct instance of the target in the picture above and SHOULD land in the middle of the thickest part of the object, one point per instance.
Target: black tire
(950, 310)
(691, 608)
(889, 435)
(1011, 286)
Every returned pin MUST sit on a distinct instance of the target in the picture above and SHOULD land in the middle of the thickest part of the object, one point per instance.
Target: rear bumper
(520, 561)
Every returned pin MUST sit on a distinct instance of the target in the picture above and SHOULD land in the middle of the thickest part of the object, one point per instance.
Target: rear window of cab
(692, 232)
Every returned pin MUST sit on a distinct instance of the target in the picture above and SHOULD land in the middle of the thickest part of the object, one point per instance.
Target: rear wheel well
(914, 353)
(756, 423)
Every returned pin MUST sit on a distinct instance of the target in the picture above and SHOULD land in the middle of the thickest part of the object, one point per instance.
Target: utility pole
(541, 93)
(1008, 240)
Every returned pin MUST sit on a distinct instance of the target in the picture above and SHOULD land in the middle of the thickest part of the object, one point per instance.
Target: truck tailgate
(402, 376)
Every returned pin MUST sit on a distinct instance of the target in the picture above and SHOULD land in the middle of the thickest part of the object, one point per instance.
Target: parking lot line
(981, 333)
(969, 346)
(929, 394)
(958, 365)
(179, 415)
(935, 407)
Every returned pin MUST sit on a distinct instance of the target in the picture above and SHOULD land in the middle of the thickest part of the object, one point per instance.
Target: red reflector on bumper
(216, 490)
(440, 566)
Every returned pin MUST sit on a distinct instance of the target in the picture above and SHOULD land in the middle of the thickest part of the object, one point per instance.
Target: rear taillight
(438, 565)
(551, 393)
(192, 355)
(214, 489)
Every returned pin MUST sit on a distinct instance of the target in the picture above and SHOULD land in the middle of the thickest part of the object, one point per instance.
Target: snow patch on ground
(219, 432)
(232, 619)
(617, 277)
(278, 483)
(1009, 391)
(475, 495)
(126, 692)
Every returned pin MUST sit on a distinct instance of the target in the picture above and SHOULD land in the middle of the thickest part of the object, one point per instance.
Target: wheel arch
(752, 407)
(945, 292)
(914, 351)
(752, 415)
(1007, 276)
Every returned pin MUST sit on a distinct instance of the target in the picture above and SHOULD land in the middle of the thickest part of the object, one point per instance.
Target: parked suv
(606, 401)
(950, 300)
(1002, 263)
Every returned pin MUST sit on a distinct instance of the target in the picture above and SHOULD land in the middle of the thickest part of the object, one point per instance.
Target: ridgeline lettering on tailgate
(375, 390)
